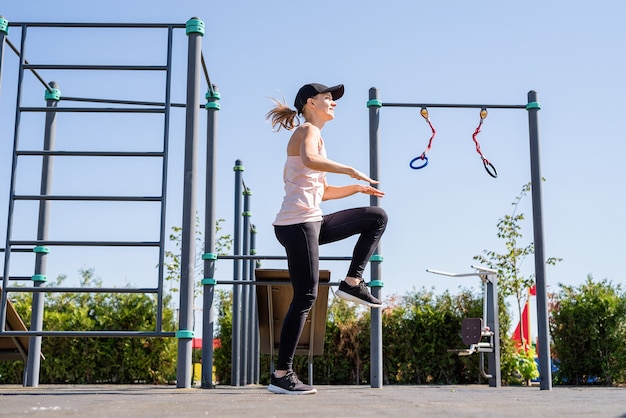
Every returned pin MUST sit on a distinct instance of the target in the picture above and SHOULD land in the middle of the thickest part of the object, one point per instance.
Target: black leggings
(301, 242)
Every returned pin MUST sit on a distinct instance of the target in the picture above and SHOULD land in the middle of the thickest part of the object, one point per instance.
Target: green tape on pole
(247, 192)
(213, 95)
(208, 281)
(246, 214)
(53, 94)
(194, 25)
(41, 249)
(533, 105)
(374, 103)
(183, 333)
(376, 257)
(238, 168)
(209, 256)
(376, 283)
(39, 278)
(212, 105)
(4, 25)
(252, 251)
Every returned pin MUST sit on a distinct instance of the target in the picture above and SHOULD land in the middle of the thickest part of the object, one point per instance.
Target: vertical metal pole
(39, 276)
(493, 323)
(545, 377)
(187, 256)
(210, 255)
(164, 182)
(16, 140)
(254, 372)
(245, 290)
(376, 327)
(236, 331)
(4, 31)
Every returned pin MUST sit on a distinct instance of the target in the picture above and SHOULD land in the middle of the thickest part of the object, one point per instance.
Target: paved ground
(330, 401)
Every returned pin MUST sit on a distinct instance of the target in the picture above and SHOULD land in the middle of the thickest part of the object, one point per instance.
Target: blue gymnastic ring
(424, 158)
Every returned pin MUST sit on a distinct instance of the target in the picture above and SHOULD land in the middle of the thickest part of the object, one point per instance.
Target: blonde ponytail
(282, 116)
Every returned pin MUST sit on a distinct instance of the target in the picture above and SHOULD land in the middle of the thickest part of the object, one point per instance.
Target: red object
(197, 343)
(522, 332)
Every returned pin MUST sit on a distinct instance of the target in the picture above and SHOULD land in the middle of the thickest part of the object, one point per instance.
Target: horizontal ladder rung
(91, 198)
(91, 153)
(87, 243)
(93, 109)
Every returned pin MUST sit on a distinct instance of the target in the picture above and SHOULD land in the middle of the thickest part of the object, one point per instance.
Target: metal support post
(236, 327)
(210, 255)
(195, 31)
(491, 296)
(39, 276)
(376, 327)
(543, 351)
(246, 291)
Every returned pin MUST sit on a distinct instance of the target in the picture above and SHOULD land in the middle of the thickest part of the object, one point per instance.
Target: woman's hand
(372, 191)
(361, 176)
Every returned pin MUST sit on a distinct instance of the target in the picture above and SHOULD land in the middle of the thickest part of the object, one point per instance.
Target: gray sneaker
(358, 294)
(289, 384)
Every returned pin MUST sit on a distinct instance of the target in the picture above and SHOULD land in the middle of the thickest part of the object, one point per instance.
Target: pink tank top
(304, 189)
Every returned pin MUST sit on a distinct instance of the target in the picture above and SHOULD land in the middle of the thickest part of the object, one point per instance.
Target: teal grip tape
(213, 95)
(376, 283)
(212, 105)
(41, 249)
(53, 94)
(374, 103)
(183, 333)
(238, 168)
(39, 278)
(209, 256)
(533, 105)
(376, 258)
(209, 281)
(194, 25)
(4, 25)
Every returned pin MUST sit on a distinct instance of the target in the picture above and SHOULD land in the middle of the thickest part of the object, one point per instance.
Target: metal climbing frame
(375, 104)
(42, 245)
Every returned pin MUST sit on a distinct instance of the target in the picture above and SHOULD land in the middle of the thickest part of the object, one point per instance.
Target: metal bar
(43, 222)
(90, 198)
(188, 240)
(164, 175)
(95, 67)
(245, 291)
(35, 73)
(208, 290)
(117, 101)
(237, 320)
(545, 369)
(93, 109)
(9, 228)
(43, 289)
(110, 334)
(277, 257)
(266, 282)
(376, 328)
(86, 243)
(91, 153)
(477, 106)
(97, 25)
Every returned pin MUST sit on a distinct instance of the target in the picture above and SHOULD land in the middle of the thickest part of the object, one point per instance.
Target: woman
(300, 226)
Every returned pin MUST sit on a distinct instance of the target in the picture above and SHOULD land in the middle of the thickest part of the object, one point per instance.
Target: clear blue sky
(489, 52)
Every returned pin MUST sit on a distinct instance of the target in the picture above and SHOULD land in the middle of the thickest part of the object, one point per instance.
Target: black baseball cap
(313, 89)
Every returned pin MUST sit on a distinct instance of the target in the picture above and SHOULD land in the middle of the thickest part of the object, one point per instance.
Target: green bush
(588, 327)
(418, 330)
(79, 360)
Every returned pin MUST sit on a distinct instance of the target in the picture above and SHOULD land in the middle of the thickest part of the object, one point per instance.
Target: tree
(512, 282)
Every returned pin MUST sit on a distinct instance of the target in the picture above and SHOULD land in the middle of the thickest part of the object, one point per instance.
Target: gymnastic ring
(421, 157)
(491, 170)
